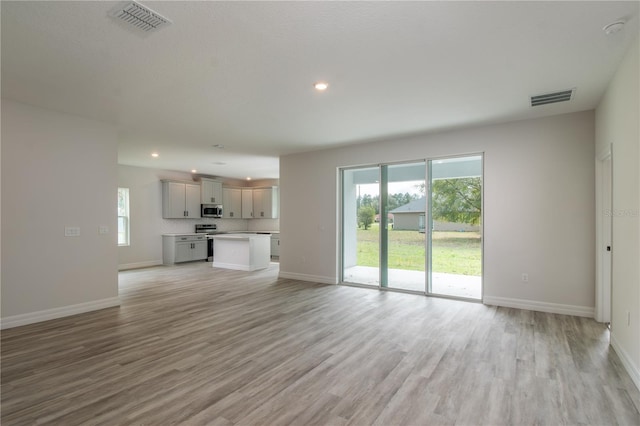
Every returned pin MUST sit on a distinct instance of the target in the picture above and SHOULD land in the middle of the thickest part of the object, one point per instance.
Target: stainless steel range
(208, 228)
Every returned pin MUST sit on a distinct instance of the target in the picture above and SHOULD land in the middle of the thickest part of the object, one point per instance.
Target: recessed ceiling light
(155, 154)
(321, 86)
(613, 27)
(194, 171)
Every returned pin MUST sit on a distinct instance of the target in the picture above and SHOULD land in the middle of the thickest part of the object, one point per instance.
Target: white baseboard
(306, 277)
(633, 370)
(65, 311)
(532, 305)
(137, 265)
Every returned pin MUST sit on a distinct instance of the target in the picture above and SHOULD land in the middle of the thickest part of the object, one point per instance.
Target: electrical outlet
(71, 231)
(103, 229)
(525, 277)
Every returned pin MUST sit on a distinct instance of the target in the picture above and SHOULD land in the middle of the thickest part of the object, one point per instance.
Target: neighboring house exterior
(408, 218)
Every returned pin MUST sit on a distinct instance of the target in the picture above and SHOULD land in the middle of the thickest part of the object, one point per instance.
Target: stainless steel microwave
(211, 210)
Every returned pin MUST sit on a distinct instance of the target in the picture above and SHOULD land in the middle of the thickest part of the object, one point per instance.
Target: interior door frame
(604, 218)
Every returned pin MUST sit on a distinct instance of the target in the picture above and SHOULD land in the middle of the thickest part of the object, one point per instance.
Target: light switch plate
(103, 229)
(71, 231)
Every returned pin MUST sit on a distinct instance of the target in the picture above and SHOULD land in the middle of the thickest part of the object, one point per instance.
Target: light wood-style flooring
(195, 345)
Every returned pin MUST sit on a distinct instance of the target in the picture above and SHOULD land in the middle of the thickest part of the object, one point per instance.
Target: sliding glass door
(414, 226)
(404, 203)
(360, 229)
(382, 242)
(454, 237)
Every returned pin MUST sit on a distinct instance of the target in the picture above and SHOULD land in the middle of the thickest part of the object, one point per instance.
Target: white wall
(538, 218)
(57, 170)
(147, 224)
(617, 124)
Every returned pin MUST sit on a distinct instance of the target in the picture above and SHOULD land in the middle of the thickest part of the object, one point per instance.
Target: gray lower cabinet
(183, 248)
(275, 245)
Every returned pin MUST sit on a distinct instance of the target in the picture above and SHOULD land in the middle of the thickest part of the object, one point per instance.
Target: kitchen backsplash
(263, 225)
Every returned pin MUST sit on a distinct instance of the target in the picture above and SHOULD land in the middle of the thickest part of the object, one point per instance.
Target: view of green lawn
(453, 252)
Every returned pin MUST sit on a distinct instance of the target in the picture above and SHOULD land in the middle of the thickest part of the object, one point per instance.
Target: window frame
(124, 215)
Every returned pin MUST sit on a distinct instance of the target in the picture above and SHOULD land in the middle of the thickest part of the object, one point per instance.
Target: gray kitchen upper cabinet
(260, 203)
(180, 200)
(211, 192)
(265, 203)
(231, 203)
(247, 203)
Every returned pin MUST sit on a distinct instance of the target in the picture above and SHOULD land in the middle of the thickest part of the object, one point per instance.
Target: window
(123, 216)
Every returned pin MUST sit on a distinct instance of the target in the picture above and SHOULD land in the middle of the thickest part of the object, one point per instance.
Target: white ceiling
(240, 74)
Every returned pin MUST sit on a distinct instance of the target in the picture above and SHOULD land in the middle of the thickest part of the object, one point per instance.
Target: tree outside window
(458, 200)
(123, 216)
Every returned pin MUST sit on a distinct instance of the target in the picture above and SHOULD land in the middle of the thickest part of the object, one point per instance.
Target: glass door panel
(403, 248)
(454, 224)
(360, 226)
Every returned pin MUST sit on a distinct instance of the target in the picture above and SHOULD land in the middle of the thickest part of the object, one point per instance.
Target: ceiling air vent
(552, 98)
(140, 16)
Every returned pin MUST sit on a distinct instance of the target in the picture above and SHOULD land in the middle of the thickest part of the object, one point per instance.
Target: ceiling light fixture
(194, 171)
(613, 27)
(155, 154)
(248, 177)
(321, 86)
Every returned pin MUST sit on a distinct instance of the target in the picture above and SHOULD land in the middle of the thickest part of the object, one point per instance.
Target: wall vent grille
(140, 17)
(553, 97)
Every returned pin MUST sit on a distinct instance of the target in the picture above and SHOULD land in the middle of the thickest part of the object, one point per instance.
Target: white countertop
(250, 232)
(238, 236)
(185, 234)
(191, 234)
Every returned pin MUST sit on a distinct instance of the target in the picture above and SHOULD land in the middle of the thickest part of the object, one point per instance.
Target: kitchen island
(243, 252)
